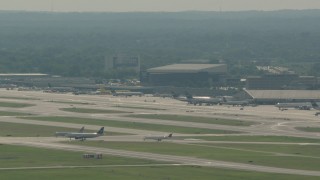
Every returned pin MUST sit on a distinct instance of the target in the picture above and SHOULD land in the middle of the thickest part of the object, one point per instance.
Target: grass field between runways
(133, 125)
(198, 119)
(283, 156)
(15, 105)
(67, 165)
(30, 130)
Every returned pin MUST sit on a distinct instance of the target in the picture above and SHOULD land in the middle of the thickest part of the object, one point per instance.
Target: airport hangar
(276, 96)
(192, 75)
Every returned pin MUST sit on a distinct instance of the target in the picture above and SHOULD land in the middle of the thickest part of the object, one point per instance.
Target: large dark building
(192, 75)
(123, 62)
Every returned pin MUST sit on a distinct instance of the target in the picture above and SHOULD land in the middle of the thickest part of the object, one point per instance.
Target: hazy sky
(156, 5)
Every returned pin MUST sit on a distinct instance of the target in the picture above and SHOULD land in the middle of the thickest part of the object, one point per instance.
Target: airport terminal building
(276, 96)
(191, 75)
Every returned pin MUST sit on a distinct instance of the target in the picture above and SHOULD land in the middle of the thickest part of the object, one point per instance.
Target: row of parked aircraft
(298, 105)
(207, 100)
(81, 135)
(225, 100)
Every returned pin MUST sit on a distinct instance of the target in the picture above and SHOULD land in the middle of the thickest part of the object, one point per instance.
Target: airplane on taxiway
(83, 136)
(64, 133)
(158, 138)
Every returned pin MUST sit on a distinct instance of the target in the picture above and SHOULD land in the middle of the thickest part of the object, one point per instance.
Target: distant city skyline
(155, 5)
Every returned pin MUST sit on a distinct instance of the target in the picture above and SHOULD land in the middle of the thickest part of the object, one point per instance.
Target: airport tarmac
(269, 121)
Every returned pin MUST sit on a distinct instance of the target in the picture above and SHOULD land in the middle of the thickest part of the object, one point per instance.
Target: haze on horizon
(155, 5)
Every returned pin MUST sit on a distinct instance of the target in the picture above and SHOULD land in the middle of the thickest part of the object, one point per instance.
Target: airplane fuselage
(200, 101)
(61, 133)
(302, 105)
(81, 135)
(158, 138)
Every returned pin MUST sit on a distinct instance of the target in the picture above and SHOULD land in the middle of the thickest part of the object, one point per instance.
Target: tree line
(77, 44)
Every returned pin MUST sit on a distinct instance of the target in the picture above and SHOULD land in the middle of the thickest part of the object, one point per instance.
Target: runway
(269, 121)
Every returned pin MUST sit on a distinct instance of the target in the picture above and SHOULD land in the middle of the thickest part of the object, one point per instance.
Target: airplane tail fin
(224, 99)
(174, 94)
(170, 135)
(188, 95)
(100, 132)
(81, 130)
(315, 105)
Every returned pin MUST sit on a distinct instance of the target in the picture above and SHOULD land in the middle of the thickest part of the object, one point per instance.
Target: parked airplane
(315, 105)
(163, 95)
(158, 138)
(126, 94)
(82, 136)
(64, 133)
(178, 96)
(237, 103)
(198, 100)
(204, 100)
(296, 105)
(228, 101)
(181, 98)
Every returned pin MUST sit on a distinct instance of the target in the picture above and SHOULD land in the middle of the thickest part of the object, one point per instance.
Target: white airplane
(82, 136)
(207, 100)
(300, 105)
(204, 100)
(64, 133)
(158, 138)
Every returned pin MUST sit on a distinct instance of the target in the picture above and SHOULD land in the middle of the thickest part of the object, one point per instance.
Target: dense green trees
(76, 44)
